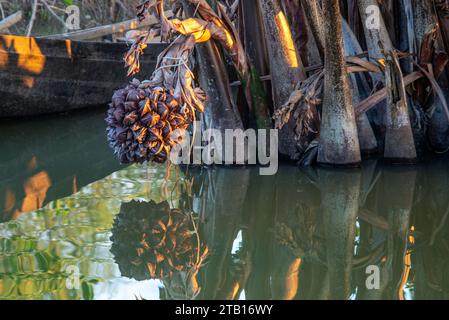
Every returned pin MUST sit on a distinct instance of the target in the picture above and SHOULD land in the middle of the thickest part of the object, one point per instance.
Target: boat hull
(43, 76)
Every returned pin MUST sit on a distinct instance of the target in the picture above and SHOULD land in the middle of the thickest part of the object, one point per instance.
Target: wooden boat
(42, 76)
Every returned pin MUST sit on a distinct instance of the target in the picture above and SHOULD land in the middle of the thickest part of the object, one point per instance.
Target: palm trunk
(425, 22)
(312, 11)
(221, 112)
(339, 142)
(296, 15)
(257, 58)
(368, 141)
(285, 64)
(399, 142)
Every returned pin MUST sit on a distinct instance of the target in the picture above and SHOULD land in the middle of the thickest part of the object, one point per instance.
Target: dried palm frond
(173, 71)
(301, 111)
(301, 236)
(208, 25)
(132, 57)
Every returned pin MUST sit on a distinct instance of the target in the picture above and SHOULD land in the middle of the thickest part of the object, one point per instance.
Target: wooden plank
(98, 32)
(11, 20)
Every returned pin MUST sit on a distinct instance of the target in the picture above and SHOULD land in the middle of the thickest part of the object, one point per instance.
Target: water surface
(76, 225)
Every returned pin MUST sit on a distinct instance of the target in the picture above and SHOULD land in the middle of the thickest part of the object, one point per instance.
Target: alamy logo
(73, 18)
(231, 146)
(373, 17)
(73, 280)
(373, 279)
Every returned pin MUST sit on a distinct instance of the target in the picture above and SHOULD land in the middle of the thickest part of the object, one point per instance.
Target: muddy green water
(375, 233)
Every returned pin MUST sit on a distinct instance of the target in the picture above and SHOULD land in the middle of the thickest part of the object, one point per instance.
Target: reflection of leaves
(42, 260)
(300, 236)
(87, 291)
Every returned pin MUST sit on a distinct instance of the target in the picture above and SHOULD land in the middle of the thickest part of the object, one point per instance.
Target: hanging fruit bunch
(142, 121)
(146, 119)
(152, 241)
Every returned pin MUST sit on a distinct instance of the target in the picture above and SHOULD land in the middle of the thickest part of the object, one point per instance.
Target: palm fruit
(152, 241)
(141, 120)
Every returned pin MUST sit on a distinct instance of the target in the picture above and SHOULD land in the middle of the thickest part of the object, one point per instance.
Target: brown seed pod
(152, 241)
(141, 120)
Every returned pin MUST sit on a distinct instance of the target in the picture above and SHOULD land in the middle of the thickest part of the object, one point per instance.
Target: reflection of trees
(220, 194)
(302, 235)
(431, 223)
(36, 248)
(312, 235)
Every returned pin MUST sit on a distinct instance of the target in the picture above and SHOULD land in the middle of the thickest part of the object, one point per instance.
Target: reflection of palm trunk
(431, 220)
(224, 192)
(296, 204)
(259, 219)
(285, 277)
(399, 189)
(395, 198)
(340, 192)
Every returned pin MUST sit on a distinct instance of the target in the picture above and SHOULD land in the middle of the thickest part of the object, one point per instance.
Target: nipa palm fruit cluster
(145, 122)
(152, 241)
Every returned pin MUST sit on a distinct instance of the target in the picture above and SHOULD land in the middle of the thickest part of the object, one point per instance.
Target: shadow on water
(48, 159)
(219, 233)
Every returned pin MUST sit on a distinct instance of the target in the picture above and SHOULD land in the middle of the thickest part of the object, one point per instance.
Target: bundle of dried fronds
(153, 241)
(145, 122)
(302, 107)
(208, 25)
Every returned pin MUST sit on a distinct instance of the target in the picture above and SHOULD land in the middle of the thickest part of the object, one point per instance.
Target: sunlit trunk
(339, 142)
(285, 64)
